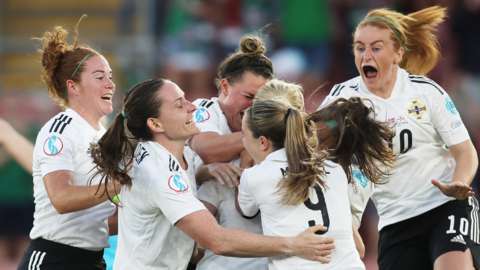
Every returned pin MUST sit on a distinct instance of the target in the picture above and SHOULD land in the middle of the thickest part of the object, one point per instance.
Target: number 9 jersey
(426, 123)
(258, 191)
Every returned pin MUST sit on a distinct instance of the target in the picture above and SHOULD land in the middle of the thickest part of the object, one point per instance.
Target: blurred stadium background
(309, 42)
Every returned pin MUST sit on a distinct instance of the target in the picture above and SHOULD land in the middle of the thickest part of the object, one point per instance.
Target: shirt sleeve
(359, 192)
(210, 192)
(171, 191)
(246, 199)
(446, 119)
(205, 116)
(57, 153)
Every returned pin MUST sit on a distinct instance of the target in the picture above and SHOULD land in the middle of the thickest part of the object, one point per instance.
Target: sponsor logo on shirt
(176, 183)
(53, 145)
(360, 178)
(201, 115)
(416, 108)
(450, 106)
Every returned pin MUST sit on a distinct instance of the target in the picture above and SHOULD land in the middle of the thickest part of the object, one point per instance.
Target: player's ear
(224, 87)
(154, 125)
(265, 144)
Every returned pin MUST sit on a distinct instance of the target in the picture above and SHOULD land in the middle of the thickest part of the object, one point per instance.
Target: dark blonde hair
(414, 32)
(62, 61)
(351, 135)
(278, 90)
(285, 127)
(250, 57)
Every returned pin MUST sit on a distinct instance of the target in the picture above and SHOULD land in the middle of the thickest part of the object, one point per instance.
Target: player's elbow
(61, 208)
(60, 205)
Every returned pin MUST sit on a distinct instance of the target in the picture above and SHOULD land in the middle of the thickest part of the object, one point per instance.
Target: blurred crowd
(309, 42)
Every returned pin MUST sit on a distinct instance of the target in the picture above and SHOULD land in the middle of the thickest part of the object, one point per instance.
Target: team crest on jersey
(450, 106)
(416, 108)
(201, 115)
(360, 178)
(176, 183)
(53, 145)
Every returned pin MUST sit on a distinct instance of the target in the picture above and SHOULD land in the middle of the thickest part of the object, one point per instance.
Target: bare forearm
(75, 198)
(217, 148)
(20, 149)
(242, 244)
(466, 163)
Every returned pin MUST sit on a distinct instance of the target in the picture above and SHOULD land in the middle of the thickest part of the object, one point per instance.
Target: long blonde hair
(414, 32)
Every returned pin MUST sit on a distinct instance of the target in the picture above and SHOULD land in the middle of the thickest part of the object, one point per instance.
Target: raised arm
(16, 145)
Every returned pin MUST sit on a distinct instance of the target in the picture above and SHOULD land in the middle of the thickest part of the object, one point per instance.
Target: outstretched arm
(16, 145)
(204, 229)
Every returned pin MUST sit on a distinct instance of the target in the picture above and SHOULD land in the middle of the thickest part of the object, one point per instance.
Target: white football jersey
(328, 206)
(209, 116)
(426, 123)
(223, 198)
(62, 144)
(161, 194)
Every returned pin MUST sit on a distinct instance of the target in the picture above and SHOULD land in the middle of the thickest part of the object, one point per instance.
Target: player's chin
(106, 110)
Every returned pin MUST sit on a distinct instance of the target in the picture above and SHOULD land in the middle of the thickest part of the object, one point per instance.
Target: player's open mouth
(369, 71)
(107, 97)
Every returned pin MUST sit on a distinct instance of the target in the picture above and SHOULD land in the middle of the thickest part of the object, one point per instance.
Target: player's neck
(175, 147)
(92, 119)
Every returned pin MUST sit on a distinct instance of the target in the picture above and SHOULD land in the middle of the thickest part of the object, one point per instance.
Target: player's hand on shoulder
(226, 174)
(311, 246)
(455, 189)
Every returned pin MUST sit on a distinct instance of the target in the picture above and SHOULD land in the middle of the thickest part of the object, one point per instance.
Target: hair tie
(287, 113)
(123, 114)
(331, 124)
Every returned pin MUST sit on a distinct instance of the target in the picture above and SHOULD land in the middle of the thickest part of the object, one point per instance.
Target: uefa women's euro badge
(53, 145)
(176, 183)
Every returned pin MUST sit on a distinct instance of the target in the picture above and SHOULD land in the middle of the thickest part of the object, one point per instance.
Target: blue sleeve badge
(360, 178)
(176, 183)
(201, 115)
(450, 106)
(53, 145)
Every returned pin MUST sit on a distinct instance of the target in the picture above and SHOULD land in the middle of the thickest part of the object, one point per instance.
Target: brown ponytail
(62, 61)
(351, 135)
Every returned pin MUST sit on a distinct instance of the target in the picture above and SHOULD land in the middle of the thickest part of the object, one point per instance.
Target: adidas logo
(458, 239)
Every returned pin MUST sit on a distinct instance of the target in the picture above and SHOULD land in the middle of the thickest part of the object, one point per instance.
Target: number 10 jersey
(426, 123)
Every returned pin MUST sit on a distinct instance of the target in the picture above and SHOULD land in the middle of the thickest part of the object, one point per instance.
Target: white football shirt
(62, 144)
(161, 194)
(426, 122)
(209, 117)
(223, 198)
(328, 206)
